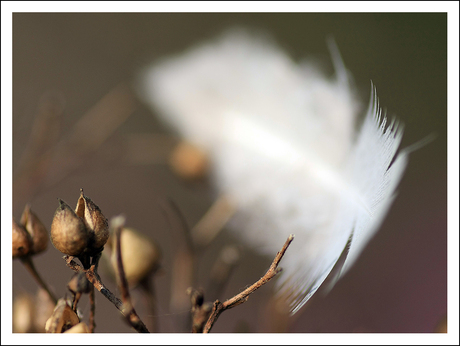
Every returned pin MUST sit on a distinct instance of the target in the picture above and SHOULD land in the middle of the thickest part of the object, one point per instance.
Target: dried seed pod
(22, 243)
(188, 161)
(62, 319)
(23, 314)
(95, 221)
(79, 283)
(140, 255)
(78, 328)
(36, 229)
(68, 232)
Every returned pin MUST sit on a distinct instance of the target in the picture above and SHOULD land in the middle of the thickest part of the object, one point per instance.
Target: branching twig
(92, 322)
(94, 278)
(240, 298)
(200, 310)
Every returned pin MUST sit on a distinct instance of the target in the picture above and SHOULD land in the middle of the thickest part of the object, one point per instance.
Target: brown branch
(131, 316)
(94, 278)
(184, 262)
(212, 222)
(150, 296)
(200, 310)
(92, 322)
(29, 264)
(240, 298)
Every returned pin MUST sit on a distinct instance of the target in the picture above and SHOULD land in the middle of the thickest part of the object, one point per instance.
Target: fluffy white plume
(284, 147)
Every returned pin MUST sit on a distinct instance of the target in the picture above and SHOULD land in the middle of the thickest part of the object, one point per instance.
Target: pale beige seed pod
(22, 243)
(140, 255)
(23, 314)
(188, 161)
(36, 229)
(78, 328)
(95, 221)
(68, 232)
(62, 319)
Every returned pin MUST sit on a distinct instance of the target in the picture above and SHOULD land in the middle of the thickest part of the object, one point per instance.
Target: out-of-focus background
(68, 68)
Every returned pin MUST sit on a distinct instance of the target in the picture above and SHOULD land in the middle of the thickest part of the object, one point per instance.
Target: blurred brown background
(400, 282)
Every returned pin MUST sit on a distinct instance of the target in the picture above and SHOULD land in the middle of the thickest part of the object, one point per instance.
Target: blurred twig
(221, 270)
(149, 292)
(240, 298)
(133, 319)
(200, 310)
(46, 161)
(183, 272)
(92, 312)
(29, 264)
(213, 221)
(93, 277)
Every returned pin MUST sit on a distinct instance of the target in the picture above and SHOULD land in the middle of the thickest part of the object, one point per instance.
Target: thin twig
(240, 298)
(92, 321)
(184, 263)
(149, 292)
(200, 310)
(213, 221)
(29, 264)
(133, 319)
(94, 278)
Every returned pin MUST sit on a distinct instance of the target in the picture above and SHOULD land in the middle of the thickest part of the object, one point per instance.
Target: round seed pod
(23, 314)
(62, 319)
(68, 232)
(95, 222)
(22, 243)
(78, 328)
(140, 255)
(188, 161)
(36, 229)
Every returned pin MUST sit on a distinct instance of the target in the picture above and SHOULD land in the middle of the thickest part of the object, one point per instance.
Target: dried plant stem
(213, 221)
(76, 298)
(240, 298)
(131, 314)
(200, 310)
(184, 263)
(29, 264)
(92, 322)
(94, 278)
(148, 289)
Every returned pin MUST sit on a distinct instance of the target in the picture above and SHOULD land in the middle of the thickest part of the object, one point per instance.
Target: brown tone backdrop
(400, 282)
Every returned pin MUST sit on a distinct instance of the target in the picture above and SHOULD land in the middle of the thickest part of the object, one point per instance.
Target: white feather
(283, 145)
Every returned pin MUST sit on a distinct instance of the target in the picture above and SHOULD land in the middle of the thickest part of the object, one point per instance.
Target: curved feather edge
(375, 169)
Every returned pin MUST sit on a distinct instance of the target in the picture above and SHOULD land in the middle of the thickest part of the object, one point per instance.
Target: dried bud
(22, 243)
(79, 283)
(188, 161)
(78, 328)
(36, 229)
(68, 232)
(62, 319)
(95, 222)
(23, 314)
(140, 255)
